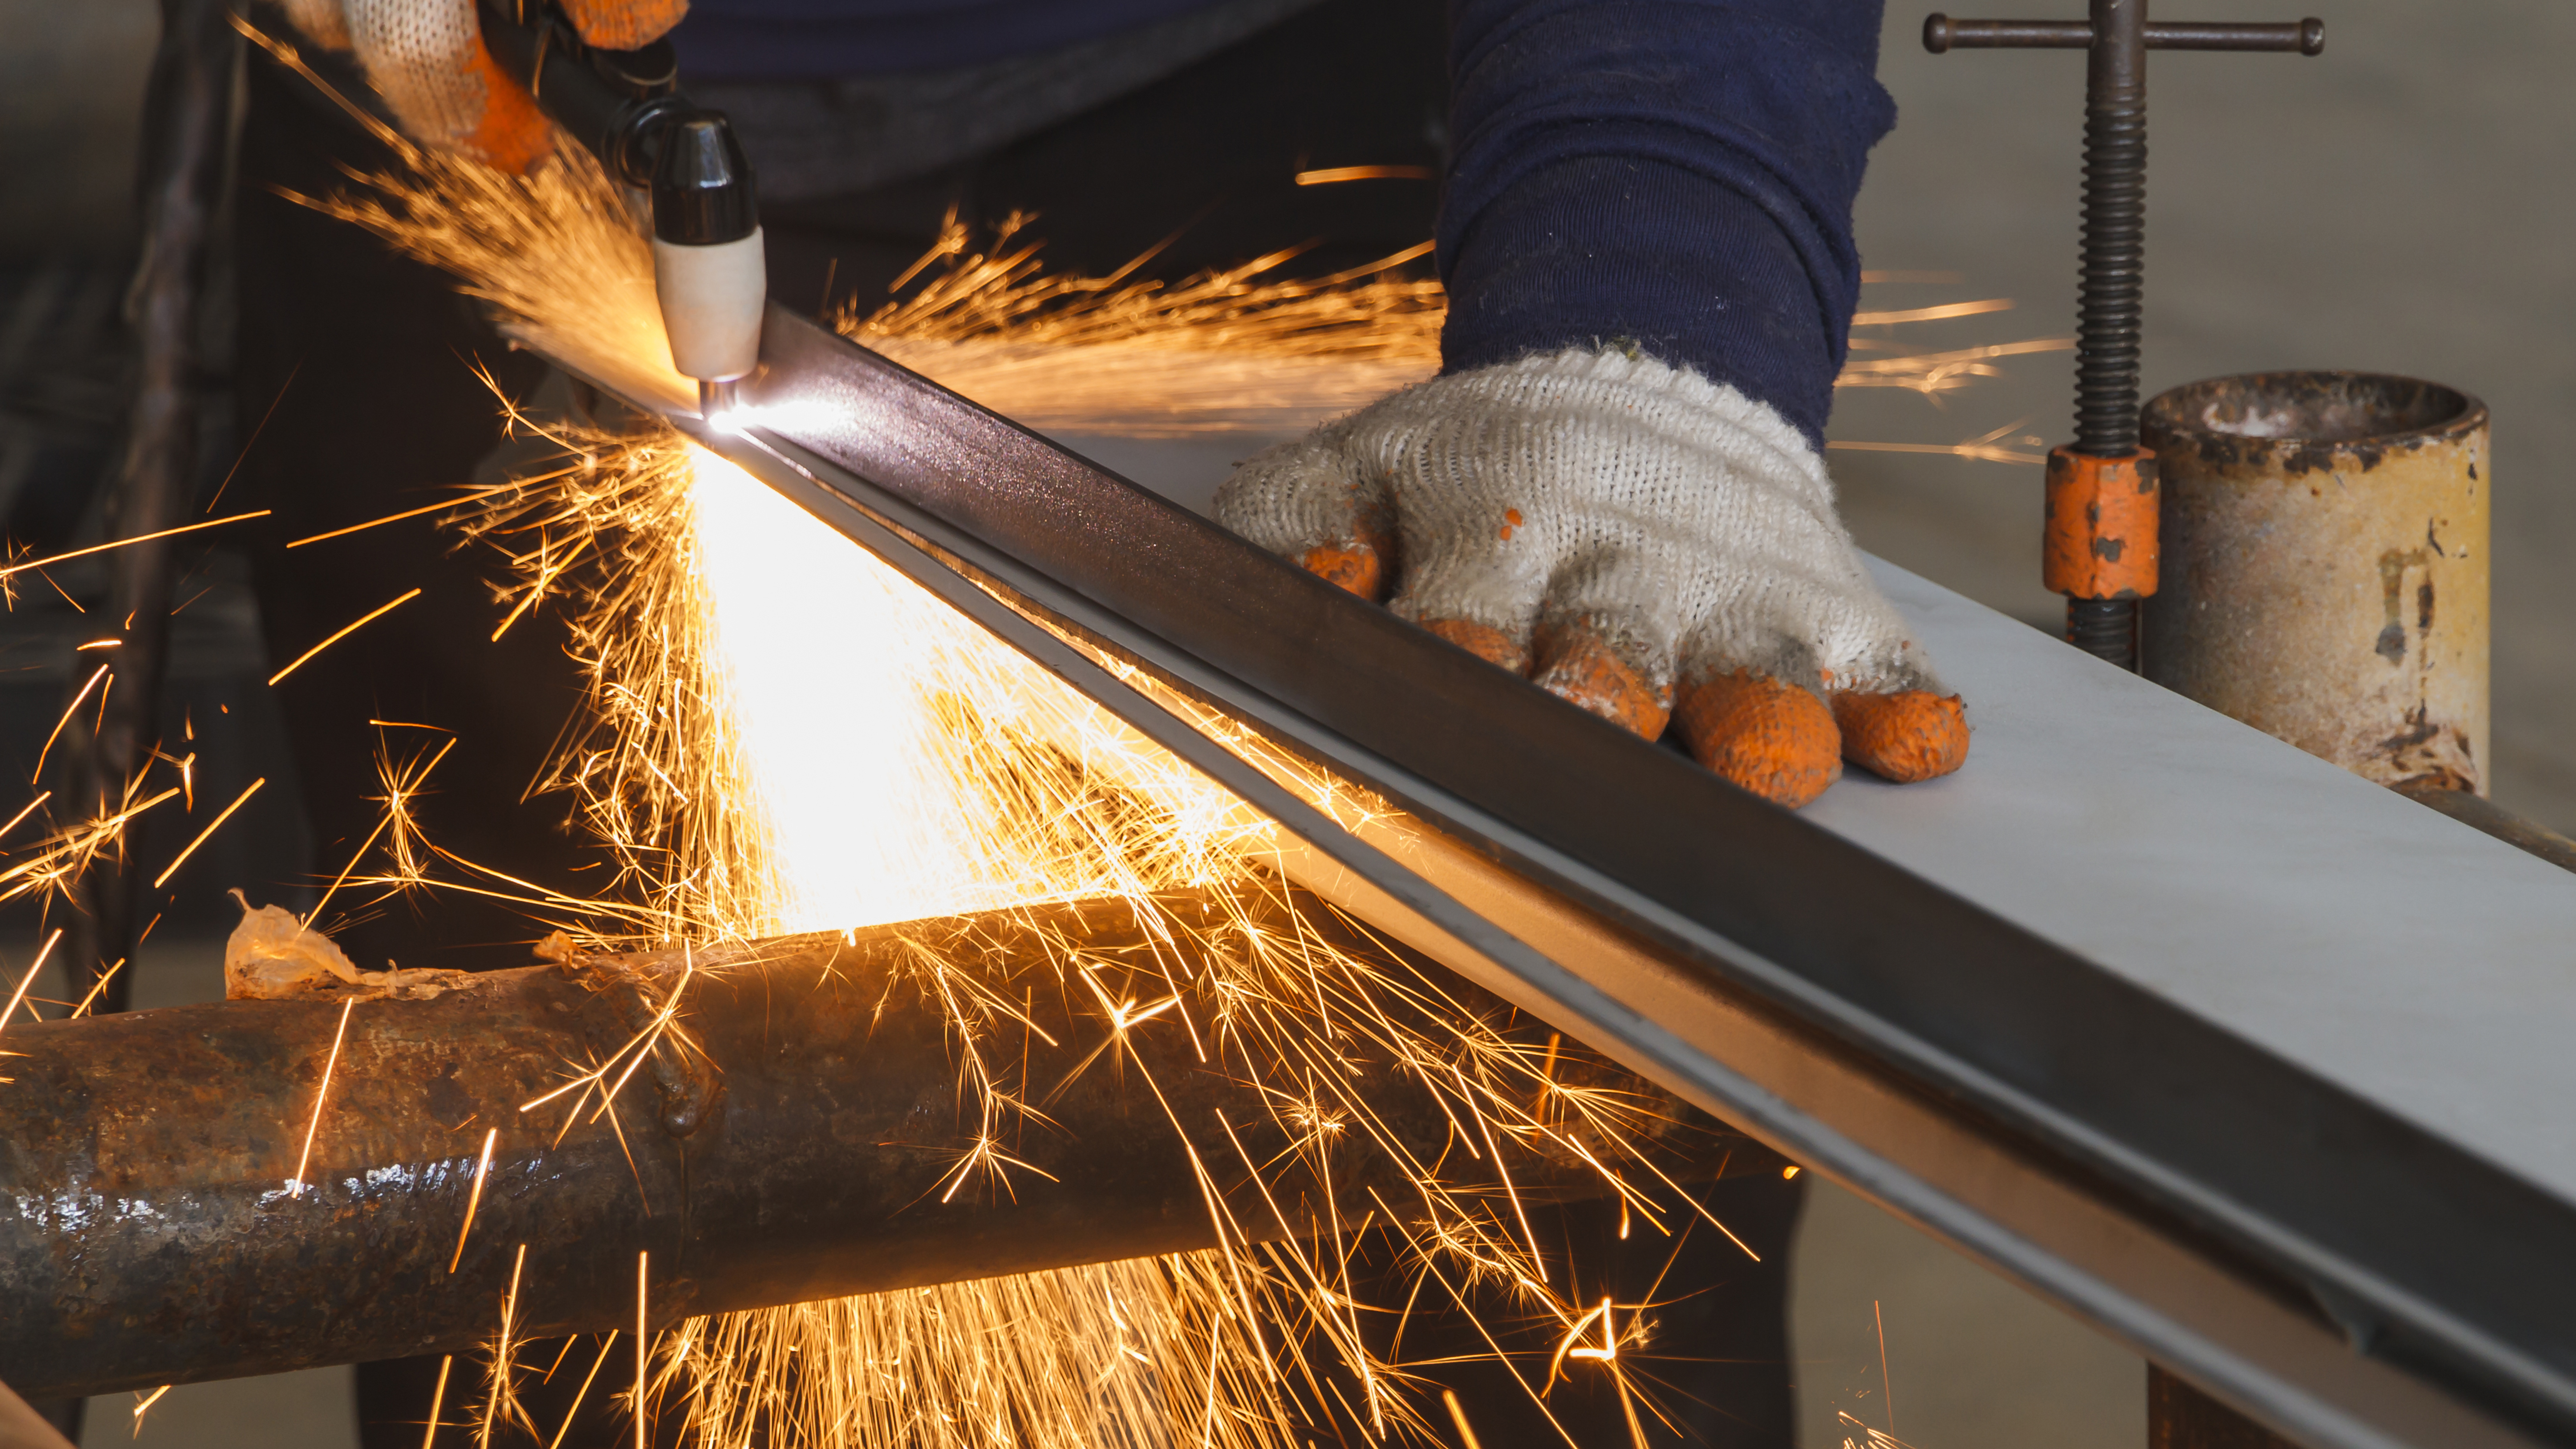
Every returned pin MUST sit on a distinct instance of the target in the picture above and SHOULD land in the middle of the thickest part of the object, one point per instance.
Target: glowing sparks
(144, 1402)
(24, 811)
(321, 1093)
(1458, 1416)
(474, 1199)
(68, 711)
(437, 1398)
(49, 560)
(1330, 174)
(1572, 1345)
(344, 631)
(1945, 371)
(788, 736)
(583, 1392)
(1943, 312)
(18, 997)
(1990, 446)
(447, 507)
(501, 1401)
(1886, 1386)
(99, 986)
(643, 1347)
(212, 826)
(1228, 350)
(60, 860)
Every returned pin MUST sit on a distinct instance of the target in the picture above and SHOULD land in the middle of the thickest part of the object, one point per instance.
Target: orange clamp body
(2101, 541)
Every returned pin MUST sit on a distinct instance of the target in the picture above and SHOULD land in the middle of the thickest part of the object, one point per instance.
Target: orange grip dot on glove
(512, 134)
(624, 24)
(1771, 737)
(1910, 735)
(1484, 641)
(1357, 567)
(1578, 666)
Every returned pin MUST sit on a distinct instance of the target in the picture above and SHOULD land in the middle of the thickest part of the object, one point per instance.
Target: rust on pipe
(149, 1233)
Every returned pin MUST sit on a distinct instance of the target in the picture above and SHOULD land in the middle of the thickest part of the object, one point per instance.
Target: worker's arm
(1616, 486)
(428, 61)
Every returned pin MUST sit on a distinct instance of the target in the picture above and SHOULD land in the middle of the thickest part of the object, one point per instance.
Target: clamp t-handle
(2101, 542)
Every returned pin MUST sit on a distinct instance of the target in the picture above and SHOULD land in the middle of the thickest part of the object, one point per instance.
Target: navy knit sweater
(1673, 174)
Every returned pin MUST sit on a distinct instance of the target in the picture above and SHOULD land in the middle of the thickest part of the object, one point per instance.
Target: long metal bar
(2319, 1211)
(160, 1222)
(1941, 33)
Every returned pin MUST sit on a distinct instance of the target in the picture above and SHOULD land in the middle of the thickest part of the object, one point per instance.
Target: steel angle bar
(2325, 1265)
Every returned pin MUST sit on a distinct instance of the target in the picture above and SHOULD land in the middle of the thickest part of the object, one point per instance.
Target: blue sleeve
(1679, 173)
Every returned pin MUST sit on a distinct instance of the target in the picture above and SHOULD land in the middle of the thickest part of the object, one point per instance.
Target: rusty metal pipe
(149, 1232)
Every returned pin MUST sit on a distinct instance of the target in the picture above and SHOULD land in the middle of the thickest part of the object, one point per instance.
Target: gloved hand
(1637, 539)
(426, 58)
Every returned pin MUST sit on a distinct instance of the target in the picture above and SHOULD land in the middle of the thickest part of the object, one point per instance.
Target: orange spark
(344, 632)
(643, 1344)
(1330, 174)
(474, 1199)
(1458, 1416)
(68, 711)
(30, 808)
(296, 1186)
(20, 568)
(211, 827)
(30, 978)
(100, 984)
(1886, 1387)
(1933, 314)
(146, 1401)
(503, 1400)
(461, 499)
(584, 1391)
(437, 1397)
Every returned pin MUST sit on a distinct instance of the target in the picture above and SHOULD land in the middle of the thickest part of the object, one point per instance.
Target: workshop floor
(2397, 204)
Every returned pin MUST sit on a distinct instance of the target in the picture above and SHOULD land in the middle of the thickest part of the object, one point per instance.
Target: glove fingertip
(1905, 736)
(624, 24)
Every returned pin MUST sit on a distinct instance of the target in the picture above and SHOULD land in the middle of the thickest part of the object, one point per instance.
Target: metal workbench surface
(2406, 957)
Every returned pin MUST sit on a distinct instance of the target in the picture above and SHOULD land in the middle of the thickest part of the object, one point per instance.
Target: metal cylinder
(2325, 566)
(812, 1139)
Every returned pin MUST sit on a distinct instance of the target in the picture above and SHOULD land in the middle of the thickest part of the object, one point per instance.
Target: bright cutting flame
(823, 652)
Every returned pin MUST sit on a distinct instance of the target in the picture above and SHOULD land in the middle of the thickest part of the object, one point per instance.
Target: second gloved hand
(1641, 541)
(426, 58)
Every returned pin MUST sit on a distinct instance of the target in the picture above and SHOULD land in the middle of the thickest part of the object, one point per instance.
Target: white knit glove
(1646, 543)
(426, 58)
